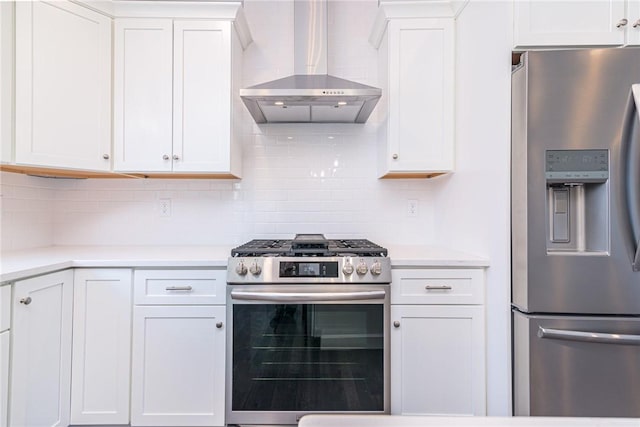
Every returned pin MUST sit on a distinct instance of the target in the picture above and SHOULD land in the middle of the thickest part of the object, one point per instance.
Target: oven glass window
(296, 357)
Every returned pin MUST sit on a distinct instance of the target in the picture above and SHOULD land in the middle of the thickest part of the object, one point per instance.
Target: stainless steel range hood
(311, 95)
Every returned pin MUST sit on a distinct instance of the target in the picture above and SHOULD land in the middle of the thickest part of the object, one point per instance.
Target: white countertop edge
(433, 256)
(16, 265)
(439, 263)
(334, 420)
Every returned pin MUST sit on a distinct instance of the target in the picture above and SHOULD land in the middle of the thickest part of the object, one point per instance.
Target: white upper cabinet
(6, 80)
(143, 85)
(62, 86)
(633, 30)
(416, 72)
(576, 23)
(202, 96)
(175, 89)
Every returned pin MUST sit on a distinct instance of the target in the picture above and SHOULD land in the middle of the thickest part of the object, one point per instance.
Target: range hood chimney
(310, 95)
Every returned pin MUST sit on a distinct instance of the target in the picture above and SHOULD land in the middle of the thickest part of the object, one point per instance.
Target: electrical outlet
(164, 207)
(412, 208)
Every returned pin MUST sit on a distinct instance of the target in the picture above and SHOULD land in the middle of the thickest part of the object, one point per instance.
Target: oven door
(299, 349)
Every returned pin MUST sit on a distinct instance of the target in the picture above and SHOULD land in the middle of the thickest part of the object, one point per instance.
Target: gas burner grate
(309, 246)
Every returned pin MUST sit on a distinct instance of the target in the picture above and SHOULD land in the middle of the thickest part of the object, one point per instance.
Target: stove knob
(255, 269)
(241, 269)
(376, 268)
(347, 268)
(362, 268)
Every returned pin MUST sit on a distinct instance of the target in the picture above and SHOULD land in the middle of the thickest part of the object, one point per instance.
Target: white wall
(26, 211)
(318, 178)
(473, 204)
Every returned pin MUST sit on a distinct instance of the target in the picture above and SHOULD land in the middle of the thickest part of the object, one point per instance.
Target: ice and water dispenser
(577, 201)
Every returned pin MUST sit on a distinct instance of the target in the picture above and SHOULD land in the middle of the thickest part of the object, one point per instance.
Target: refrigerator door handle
(591, 337)
(631, 152)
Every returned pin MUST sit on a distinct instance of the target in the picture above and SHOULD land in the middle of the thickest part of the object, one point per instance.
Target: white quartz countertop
(428, 421)
(432, 256)
(32, 262)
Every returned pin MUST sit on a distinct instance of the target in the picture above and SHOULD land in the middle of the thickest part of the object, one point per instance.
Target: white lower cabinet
(4, 377)
(5, 325)
(178, 355)
(101, 346)
(437, 349)
(41, 351)
(437, 360)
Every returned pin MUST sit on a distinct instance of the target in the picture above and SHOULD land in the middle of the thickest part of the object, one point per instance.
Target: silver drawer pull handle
(621, 23)
(179, 288)
(438, 288)
(25, 301)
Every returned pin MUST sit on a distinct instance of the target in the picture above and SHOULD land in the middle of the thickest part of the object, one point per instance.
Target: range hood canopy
(310, 95)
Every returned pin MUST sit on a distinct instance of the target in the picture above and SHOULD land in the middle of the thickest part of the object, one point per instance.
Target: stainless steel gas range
(309, 329)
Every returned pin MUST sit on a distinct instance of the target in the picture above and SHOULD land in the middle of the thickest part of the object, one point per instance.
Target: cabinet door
(568, 23)
(633, 12)
(142, 94)
(421, 93)
(101, 346)
(437, 360)
(178, 369)
(202, 96)
(41, 351)
(63, 86)
(6, 80)
(4, 377)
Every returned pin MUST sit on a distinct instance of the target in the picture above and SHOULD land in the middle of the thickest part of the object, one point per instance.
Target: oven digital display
(309, 269)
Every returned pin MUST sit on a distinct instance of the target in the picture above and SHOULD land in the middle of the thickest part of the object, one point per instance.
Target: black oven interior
(296, 357)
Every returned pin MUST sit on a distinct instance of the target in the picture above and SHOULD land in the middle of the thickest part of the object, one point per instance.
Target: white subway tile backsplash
(297, 178)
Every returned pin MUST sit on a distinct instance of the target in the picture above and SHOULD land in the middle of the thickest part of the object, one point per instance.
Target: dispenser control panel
(577, 165)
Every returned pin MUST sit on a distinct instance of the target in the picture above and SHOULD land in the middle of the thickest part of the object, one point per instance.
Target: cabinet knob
(396, 323)
(219, 325)
(25, 301)
(636, 24)
(106, 156)
(176, 157)
(165, 157)
(395, 156)
(621, 23)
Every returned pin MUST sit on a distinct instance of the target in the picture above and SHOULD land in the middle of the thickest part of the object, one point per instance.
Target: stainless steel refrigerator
(576, 233)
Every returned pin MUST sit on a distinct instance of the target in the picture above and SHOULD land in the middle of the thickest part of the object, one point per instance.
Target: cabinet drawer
(437, 286)
(5, 307)
(179, 287)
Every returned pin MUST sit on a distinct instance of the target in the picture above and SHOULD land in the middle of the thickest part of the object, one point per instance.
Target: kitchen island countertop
(461, 421)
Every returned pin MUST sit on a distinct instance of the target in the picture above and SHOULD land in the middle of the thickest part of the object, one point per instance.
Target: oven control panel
(309, 269)
(347, 269)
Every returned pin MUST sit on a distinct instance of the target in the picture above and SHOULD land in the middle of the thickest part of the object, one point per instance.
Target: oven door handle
(300, 297)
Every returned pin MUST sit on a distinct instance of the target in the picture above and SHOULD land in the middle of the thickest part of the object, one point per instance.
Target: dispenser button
(560, 202)
(561, 223)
